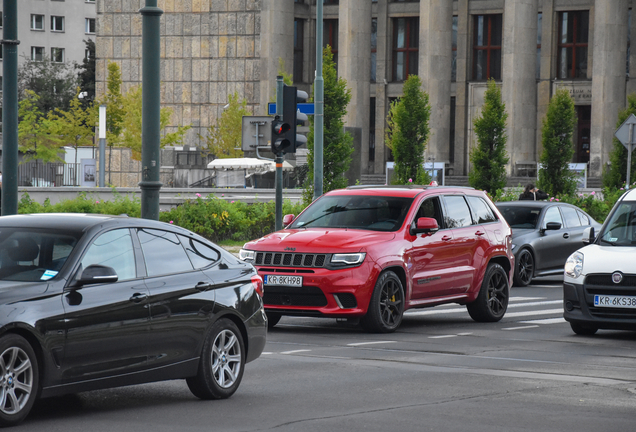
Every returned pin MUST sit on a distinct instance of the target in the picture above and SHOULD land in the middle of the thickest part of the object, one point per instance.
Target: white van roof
(630, 196)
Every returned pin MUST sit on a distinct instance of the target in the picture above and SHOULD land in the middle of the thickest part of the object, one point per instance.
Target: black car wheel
(582, 329)
(386, 307)
(272, 319)
(222, 362)
(492, 302)
(524, 268)
(18, 379)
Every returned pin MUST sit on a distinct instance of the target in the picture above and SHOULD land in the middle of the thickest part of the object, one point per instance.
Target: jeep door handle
(566, 235)
(203, 286)
(447, 238)
(138, 297)
(480, 233)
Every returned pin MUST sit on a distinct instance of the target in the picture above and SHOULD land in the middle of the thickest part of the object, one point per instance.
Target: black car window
(33, 255)
(458, 213)
(113, 249)
(570, 216)
(199, 253)
(584, 219)
(431, 208)
(481, 211)
(552, 215)
(520, 217)
(163, 252)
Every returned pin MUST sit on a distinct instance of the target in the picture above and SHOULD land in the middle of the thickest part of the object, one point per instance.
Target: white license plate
(612, 301)
(295, 281)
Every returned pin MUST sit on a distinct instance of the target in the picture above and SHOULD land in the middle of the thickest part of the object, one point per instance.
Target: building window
(57, 23)
(539, 30)
(487, 39)
(328, 2)
(406, 35)
(330, 37)
(57, 55)
(572, 48)
(298, 50)
(374, 48)
(0, 20)
(372, 130)
(454, 47)
(37, 53)
(37, 22)
(90, 25)
(451, 137)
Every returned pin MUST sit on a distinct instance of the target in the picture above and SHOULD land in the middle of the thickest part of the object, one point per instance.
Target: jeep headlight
(348, 258)
(574, 265)
(246, 255)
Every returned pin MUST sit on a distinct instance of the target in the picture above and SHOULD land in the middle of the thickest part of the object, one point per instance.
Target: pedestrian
(531, 193)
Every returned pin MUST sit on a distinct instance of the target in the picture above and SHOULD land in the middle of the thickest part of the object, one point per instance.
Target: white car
(599, 286)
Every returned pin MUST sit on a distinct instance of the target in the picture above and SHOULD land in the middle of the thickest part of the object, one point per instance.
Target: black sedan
(544, 235)
(91, 301)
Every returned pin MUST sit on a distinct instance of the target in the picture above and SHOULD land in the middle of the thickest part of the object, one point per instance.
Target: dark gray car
(544, 234)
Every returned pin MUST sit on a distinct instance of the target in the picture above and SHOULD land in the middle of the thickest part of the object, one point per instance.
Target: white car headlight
(246, 255)
(574, 265)
(348, 259)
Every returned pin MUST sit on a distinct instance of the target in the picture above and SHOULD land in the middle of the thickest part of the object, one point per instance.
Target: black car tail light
(257, 283)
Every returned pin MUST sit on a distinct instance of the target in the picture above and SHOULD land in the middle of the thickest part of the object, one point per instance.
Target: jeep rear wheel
(492, 302)
(386, 307)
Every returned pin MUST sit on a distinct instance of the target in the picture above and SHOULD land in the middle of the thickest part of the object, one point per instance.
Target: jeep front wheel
(386, 307)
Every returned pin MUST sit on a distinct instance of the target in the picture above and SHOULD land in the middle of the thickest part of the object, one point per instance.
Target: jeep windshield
(620, 230)
(375, 213)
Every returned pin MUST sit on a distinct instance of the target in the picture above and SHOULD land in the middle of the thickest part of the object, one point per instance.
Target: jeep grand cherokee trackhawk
(373, 252)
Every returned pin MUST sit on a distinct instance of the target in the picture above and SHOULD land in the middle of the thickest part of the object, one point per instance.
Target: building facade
(211, 48)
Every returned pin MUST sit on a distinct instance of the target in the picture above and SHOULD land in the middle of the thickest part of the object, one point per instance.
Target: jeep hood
(315, 240)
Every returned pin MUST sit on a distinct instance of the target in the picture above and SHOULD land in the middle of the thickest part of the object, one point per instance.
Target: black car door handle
(566, 235)
(138, 297)
(203, 286)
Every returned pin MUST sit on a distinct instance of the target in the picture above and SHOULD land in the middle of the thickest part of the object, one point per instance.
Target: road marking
(295, 351)
(463, 309)
(369, 343)
(520, 328)
(529, 313)
(464, 334)
(442, 336)
(546, 321)
(266, 353)
(516, 299)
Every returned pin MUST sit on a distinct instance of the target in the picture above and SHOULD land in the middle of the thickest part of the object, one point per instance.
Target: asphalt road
(440, 372)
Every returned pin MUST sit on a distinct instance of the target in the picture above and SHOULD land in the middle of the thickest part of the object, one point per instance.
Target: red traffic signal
(279, 140)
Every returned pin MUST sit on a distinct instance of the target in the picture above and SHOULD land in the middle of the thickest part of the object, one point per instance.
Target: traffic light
(280, 141)
(292, 117)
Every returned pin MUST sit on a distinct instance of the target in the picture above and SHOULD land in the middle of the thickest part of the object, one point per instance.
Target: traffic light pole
(279, 158)
(319, 102)
(10, 112)
(150, 183)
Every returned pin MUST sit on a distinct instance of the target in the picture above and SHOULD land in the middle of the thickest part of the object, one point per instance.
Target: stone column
(519, 90)
(608, 78)
(435, 67)
(631, 83)
(354, 64)
(544, 88)
(277, 42)
(381, 97)
(461, 109)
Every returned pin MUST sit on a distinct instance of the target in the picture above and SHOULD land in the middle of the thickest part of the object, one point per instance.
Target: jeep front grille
(281, 259)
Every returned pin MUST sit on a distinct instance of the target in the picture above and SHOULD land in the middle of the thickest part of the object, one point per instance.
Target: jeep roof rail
(405, 187)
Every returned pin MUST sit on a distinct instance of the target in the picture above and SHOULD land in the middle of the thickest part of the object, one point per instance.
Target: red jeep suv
(373, 252)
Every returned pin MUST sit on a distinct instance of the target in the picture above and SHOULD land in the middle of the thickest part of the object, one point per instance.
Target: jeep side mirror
(424, 225)
(287, 219)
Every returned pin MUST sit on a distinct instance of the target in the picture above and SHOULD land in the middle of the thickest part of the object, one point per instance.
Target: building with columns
(531, 47)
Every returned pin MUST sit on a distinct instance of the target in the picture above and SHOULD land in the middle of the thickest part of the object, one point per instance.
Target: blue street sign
(305, 108)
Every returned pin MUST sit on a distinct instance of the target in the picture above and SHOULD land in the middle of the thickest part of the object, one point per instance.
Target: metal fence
(35, 173)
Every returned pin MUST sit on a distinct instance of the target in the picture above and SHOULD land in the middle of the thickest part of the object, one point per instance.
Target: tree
(34, 138)
(616, 174)
(338, 145)
(114, 105)
(223, 139)
(408, 132)
(53, 82)
(131, 124)
(86, 75)
(555, 176)
(73, 127)
(489, 158)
